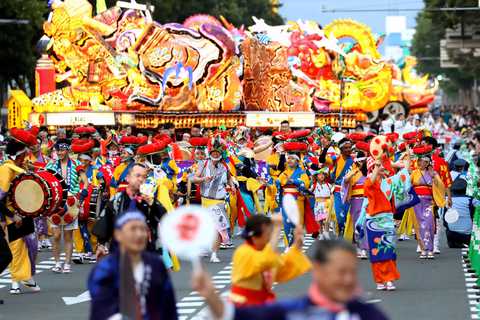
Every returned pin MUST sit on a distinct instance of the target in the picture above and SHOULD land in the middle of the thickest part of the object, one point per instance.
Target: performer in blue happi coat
(131, 283)
(340, 165)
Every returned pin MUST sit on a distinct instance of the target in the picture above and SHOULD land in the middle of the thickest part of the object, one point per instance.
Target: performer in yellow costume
(295, 181)
(257, 264)
(160, 181)
(22, 267)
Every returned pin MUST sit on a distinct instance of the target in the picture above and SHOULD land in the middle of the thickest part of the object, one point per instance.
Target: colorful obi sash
(291, 189)
(243, 296)
(357, 190)
(423, 190)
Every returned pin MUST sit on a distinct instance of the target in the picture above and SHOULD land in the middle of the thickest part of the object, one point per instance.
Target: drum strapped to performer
(62, 216)
(38, 193)
(91, 204)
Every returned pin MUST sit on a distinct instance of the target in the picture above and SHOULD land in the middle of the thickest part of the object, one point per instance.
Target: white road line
(221, 281)
(189, 304)
(221, 277)
(225, 272)
(186, 311)
(6, 281)
(193, 299)
(39, 266)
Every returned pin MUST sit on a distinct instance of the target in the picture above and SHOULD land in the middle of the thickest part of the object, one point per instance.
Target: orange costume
(381, 235)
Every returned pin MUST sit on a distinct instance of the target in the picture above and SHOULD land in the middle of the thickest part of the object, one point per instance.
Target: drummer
(67, 168)
(23, 250)
(90, 178)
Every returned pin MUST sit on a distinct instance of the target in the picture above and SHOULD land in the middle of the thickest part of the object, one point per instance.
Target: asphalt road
(427, 290)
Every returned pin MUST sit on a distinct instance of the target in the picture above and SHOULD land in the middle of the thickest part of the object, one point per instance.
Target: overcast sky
(312, 10)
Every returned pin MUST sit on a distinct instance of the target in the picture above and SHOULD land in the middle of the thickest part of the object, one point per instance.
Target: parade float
(120, 67)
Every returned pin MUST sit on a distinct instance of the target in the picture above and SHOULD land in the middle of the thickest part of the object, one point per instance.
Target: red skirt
(385, 271)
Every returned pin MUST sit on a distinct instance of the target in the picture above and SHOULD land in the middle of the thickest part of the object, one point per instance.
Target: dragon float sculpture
(122, 60)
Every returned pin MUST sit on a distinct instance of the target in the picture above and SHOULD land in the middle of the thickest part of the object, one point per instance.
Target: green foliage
(431, 27)
(237, 12)
(17, 41)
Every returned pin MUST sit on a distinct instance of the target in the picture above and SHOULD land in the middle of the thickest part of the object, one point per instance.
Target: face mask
(241, 145)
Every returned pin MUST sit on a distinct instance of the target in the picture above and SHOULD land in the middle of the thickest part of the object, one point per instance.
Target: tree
(17, 42)
(430, 29)
(237, 12)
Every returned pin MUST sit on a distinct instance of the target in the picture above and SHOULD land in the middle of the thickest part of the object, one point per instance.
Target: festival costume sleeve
(163, 195)
(5, 178)
(294, 264)
(248, 262)
(438, 190)
(283, 178)
(74, 186)
(272, 162)
(253, 185)
(306, 180)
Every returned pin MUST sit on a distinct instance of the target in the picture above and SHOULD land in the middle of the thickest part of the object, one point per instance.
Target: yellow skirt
(20, 267)
(408, 222)
(78, 239)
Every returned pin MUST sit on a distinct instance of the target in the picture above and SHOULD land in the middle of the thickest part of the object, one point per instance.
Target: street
(427, 290)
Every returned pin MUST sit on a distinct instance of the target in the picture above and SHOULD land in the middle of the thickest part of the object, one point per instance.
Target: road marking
(225, 272)
(193, 299)
(185, 311)
(374, 301)
(83, 297)
(470, 282)
(189, 304)
(221, 281)
(221, 277)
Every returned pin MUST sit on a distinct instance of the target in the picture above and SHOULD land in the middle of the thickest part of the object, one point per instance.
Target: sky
(312, 10)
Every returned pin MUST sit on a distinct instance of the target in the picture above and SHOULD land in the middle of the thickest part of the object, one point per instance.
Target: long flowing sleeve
(294, 264)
